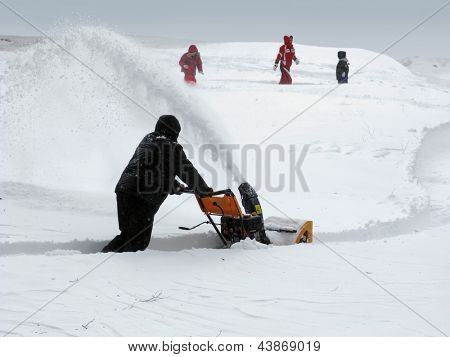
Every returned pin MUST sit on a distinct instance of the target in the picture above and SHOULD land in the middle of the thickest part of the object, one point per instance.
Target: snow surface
(434, 70)
(376, 168)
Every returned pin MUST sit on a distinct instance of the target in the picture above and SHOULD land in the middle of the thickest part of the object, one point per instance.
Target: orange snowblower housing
(225, 205)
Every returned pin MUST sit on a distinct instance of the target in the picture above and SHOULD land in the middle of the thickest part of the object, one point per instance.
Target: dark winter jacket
(342, 67)
(191, 61)
(152, 170)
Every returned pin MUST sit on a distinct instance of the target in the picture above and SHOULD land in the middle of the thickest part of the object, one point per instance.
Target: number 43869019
(289, 346)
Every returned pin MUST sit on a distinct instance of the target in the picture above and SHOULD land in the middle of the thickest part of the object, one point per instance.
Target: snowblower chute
(236, 226)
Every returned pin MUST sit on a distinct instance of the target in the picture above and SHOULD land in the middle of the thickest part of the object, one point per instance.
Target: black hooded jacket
(342, 66)
(152, 170)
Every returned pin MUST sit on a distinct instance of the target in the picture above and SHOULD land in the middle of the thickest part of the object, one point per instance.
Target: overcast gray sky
(343, 23)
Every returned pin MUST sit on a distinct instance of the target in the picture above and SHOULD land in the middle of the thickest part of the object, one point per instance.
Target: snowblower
(236, 225)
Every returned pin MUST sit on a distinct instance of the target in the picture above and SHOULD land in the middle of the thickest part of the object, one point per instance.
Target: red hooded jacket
(191, 61)
(286, 53)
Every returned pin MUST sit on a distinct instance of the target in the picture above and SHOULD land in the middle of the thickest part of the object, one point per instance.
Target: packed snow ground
(376, 168)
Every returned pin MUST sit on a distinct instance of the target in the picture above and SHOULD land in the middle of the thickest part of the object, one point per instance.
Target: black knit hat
(169, 126)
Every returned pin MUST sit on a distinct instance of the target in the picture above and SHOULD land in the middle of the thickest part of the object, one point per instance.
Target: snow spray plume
(52, 97)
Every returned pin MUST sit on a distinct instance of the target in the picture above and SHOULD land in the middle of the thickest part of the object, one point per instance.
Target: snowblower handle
(226, 192)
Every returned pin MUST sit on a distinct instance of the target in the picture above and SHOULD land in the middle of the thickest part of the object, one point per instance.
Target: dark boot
(114, 245)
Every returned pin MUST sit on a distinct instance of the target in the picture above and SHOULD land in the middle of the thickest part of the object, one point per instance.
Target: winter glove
(181, 190)
(297, 61)
(185, 66)
(178, 188)
(275, 66)
(201, 72)
(204, 191)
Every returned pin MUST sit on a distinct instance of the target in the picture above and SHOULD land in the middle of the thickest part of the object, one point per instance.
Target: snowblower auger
(236, 226)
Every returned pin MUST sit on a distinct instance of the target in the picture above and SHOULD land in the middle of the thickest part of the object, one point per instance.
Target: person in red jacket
(190, 62)
(286, 55)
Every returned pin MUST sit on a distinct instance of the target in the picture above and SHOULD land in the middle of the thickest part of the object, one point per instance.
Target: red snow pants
(189, 77)
(285, 75)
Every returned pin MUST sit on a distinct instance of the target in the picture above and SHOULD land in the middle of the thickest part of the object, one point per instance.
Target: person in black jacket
(342, 68)
(148, 179)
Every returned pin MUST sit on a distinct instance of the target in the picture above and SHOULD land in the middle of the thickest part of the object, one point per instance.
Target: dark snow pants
(136, 216)
(343, 78)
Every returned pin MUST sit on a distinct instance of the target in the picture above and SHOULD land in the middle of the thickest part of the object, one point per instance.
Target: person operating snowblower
(286, 55)
(148, 179)
(189, 63)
